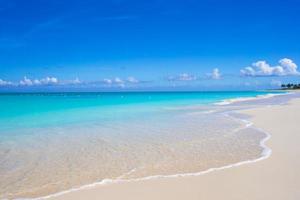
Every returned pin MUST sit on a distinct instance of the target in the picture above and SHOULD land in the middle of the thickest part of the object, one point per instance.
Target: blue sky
(148, 45)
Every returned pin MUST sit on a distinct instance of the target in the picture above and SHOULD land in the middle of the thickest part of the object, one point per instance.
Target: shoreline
(120, 179)
(258, 97)
(130, 186)
(264, 155)
(266, 152)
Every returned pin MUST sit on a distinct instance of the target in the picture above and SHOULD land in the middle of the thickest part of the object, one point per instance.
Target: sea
(53, 143)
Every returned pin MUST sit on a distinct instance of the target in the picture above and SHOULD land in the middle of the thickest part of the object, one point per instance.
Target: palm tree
(290, 86)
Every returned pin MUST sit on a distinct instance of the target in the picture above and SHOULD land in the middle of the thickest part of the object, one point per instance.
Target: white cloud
(215, 74)
(39, 82)
(115, 81)
(5, 83)
(26, 82)
(45, 81)
(289, 66)
(49, 80)
(132, 80)
(118, 80)
(182, 77)
(262, 68)
(107, 81)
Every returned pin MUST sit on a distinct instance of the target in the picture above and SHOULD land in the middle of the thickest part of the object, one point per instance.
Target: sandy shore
(276, 178)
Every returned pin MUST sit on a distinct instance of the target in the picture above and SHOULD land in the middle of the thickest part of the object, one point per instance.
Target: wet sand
(276, 178)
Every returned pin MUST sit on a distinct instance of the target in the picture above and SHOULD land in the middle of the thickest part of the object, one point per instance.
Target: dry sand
(275, 178)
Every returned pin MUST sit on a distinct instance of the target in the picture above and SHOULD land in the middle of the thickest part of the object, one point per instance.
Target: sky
(97, 45)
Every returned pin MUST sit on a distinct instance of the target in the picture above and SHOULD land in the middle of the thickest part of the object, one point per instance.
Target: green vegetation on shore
(290, 86)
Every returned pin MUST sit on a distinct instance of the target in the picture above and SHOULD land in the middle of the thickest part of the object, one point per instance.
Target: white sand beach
(276, 178)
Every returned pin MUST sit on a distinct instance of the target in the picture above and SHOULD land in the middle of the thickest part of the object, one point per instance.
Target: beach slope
(276, 178)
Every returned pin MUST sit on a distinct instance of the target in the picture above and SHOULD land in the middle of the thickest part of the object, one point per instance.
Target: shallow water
(54, 142)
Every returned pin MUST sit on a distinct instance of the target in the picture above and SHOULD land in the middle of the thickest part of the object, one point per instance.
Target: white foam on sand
(241, 99)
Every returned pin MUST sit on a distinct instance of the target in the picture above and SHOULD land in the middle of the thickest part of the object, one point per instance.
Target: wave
(242, 99)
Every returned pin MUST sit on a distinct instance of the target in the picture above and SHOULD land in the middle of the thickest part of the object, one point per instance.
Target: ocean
(54, 142)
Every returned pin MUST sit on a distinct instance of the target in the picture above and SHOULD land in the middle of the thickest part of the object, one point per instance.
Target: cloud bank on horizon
(45, 81)
(285, 67)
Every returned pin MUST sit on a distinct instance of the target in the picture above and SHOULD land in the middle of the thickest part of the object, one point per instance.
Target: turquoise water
(39, 110)
(57, 141)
